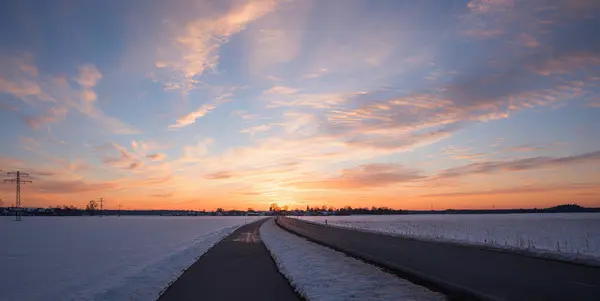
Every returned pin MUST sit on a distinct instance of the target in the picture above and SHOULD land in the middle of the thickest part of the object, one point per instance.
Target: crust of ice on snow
(322, 274)
(478, 242)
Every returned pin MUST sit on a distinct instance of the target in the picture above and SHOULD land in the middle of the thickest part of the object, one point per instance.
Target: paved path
(490, 274)
(237, 268)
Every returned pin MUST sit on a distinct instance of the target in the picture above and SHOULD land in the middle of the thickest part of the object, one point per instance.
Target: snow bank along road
(465, 272)
(322, 274)
(237, 268)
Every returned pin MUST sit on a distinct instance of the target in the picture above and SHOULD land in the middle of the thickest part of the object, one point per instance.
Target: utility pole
(101, 204)
(17, 179)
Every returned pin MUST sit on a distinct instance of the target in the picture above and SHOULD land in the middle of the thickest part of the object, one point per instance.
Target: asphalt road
(237, 268)
(454, 269)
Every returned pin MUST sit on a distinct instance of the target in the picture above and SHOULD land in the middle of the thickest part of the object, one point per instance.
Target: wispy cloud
(67, 187)
(491, 167)
(156, 156)
(279, 91)
(88, 76)
(21, 78)
(364, 176)
(517, 190)
(196, 46)
(191, 117)
(51, 115)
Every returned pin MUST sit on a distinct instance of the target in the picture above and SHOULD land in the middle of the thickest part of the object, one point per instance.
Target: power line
(17, 179)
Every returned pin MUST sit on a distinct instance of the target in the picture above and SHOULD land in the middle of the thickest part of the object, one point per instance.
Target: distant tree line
(274, 209)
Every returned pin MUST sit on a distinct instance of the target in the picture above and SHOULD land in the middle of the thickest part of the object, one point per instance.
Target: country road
(454, 269)
(238, 268)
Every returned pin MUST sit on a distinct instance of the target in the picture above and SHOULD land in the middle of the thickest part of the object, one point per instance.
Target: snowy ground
(573, 236)
(102, 258)
(322, 274)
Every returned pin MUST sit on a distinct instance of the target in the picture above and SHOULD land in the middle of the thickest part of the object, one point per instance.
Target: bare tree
(274, 207)
(91, 207)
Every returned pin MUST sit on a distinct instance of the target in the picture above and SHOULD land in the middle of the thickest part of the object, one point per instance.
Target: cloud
(19, 78)
(162, 195)
(567, 64)
(364, 176)
(22, 79)
(279, 90)
(529, 41)
(516, 190)
(196, 47)
(285, 97)
(219, 175)
(51, 115)
(88, 76)
(401, 142)
(125, 159)
(195, 153)
(156, 156)
(190, 118)
(526, 148)
(136, 165)
(490, 167)
(317, 74)
(258, 129)
(69, 187)
(462, 153)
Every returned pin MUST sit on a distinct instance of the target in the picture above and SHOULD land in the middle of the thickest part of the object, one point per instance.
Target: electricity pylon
(17, 179)
(101, 207)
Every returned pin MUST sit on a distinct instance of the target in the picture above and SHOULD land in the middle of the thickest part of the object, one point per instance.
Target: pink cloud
(518, 190)
(364, 176)
(491, 167)
(156, 156)
(50, 116)
(190, 118)
(88, 76)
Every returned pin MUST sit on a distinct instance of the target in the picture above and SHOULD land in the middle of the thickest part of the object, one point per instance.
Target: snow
(322, 274)
(102, 258)
(569, 236)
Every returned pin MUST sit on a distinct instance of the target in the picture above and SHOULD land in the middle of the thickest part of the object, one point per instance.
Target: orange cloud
(364, 176)
(219, 175)
(68, 187)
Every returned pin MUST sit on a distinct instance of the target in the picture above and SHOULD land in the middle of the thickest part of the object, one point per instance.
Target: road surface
(237, 268)
(462, 272)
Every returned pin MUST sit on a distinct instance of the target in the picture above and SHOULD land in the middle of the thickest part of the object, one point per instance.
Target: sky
(201, 104)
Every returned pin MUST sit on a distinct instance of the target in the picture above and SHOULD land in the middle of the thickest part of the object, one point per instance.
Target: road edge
(592, 263)
(452, 291)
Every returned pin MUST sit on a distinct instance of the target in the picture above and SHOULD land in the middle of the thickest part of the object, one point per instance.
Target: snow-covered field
(575, 236)
(322, 274)
(102, 258)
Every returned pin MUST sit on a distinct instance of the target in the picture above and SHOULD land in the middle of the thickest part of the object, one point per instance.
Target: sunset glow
(200, 104)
